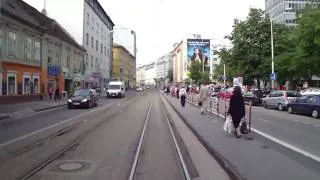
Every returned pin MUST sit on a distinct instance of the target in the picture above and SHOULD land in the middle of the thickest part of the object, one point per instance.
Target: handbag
(244, 128)
(228, 126)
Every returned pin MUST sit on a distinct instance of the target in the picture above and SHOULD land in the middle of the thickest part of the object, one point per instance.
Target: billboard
(198, 50)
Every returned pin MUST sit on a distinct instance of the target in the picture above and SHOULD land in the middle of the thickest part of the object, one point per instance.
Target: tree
(170, 75)
(204, 77)
(195, 71)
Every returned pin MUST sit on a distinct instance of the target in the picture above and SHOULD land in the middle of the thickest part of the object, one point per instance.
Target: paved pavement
(252, 156)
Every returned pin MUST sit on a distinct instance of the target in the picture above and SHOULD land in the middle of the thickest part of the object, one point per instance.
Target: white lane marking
(52, 126)
(136, 157)
(283, 143)
(184, 166)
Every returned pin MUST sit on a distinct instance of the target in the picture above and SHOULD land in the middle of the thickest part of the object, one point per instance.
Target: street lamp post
(224, 75)
(272, 54)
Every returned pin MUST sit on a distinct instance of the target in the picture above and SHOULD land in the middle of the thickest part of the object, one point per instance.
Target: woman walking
(236, 109)
(182, 94)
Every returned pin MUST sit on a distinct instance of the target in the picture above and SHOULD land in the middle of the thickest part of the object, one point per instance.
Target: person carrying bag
(236, 109)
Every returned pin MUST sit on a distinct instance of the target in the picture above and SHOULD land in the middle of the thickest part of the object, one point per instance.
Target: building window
(108, 54)
(11, 84)
(26, 83)
(91, 42)
(49, 56)
(91, 62)
(36, 82)
(97, 65)
(57, 56)
(37, 50)
(12, 43)
(68, 58)
(27, 48)
(88, 18)
(87, 39)
(97, 45)
(101, 48)
(105, 51)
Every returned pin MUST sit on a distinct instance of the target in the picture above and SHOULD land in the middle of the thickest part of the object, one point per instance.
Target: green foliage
(195, 71)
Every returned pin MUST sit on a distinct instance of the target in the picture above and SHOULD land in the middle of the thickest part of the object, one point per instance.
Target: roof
(30, 16)
(115, 45)
(103, 11)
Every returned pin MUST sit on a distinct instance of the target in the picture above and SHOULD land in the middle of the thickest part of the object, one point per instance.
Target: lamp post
(272, 53)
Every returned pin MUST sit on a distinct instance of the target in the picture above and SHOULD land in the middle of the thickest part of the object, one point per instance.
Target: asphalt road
(16, 128)
(108, 152)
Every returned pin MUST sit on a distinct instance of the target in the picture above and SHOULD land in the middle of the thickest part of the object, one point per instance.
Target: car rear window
(293, 94)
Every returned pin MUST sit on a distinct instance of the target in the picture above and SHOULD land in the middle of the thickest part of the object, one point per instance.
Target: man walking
(203, 96)
(183, 95)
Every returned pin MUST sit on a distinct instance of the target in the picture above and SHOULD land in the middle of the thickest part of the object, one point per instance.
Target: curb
(52, 107)
(228, 167)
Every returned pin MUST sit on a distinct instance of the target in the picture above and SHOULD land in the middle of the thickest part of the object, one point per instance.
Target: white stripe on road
(52, 126)
(283, 143)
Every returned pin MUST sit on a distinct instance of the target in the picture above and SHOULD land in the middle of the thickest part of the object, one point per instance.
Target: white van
(116, 89)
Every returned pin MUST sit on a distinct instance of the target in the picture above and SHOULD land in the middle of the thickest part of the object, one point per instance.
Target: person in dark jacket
(188, 89)
(236, 109)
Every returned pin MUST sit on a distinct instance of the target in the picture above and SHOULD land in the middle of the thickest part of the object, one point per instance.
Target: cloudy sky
(158, 23)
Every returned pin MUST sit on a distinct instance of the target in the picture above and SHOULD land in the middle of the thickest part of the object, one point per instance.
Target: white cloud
(158, 23)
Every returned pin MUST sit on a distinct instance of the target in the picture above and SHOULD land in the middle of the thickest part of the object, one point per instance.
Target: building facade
(97, 40)
(163, 64)
(140, 74)
(33, 51)
(285, 11)
(178, 62)
(124, 66)
(150, 74)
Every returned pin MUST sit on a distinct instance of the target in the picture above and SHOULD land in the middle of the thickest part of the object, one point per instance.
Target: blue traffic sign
(273, 76)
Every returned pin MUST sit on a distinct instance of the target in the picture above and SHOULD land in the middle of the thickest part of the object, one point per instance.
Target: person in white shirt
(183, 95)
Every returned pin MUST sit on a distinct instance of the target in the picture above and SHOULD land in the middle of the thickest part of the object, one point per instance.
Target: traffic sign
(273, 76)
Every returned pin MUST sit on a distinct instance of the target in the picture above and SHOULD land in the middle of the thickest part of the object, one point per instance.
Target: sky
(158, 23)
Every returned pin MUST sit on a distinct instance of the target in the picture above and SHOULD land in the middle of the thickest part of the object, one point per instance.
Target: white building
(126, 38)
(141, 71)
(97, 40)
(163, 65)
(150, 74)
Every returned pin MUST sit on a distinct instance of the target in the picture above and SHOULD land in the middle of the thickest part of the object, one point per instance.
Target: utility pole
(272, 53)
(224, 75)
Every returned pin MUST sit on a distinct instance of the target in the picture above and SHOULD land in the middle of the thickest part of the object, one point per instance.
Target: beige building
(177, 63)
(124, 66)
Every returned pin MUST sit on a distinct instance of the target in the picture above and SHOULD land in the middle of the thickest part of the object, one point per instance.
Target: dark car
(254, 97)
(309, 105)
(83, 98)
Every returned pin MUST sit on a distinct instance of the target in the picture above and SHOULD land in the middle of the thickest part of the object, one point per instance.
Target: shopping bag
(228, 127)
(244, 128)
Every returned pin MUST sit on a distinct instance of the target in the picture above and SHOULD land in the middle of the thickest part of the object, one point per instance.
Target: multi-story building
(141, 71)
(33, 51)
(150, 74)
(98, 41)
(124, 66)
(178, 63)
(163, 64)
(285, 11)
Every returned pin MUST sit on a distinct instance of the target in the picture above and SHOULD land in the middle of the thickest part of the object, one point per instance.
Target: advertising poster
(198, 51)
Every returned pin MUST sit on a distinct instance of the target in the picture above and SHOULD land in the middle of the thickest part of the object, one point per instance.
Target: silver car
(280, 99)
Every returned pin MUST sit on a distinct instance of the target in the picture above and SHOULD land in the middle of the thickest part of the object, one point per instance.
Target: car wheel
(315, 113)
(290, 111)
(280, 107)
(265, 105)
(69, 107)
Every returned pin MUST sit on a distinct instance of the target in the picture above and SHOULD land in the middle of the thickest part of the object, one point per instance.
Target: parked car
(116, 89)
(309, 105)
(311, 92)
(225, 93)
(255, 97)
(83, 98)
(139, 89)
(280, 99)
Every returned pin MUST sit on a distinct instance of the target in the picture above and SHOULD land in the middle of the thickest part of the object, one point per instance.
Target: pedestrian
(236, 109)
(50, 92)
(177, 92)
(183, 94)
(168, 90)
(57, 94)
(188, 90)
(203, 96)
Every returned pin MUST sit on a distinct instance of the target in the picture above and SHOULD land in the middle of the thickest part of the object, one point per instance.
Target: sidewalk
(15, 111)
(251, 156)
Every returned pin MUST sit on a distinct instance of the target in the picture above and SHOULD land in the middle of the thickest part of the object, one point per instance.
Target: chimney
(44, 11)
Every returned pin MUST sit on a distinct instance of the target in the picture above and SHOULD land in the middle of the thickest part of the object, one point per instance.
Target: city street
(104, 144)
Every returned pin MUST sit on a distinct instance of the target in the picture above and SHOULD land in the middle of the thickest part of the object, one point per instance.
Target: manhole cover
(264, 147)
(70, 166)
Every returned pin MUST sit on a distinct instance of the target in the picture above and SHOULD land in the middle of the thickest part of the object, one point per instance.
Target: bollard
(225, 109)
(250, 109)
(218, 104)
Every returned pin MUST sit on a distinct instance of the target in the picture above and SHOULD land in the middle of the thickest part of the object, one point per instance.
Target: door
(309, 105)
(298, 106)
(271, 99)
